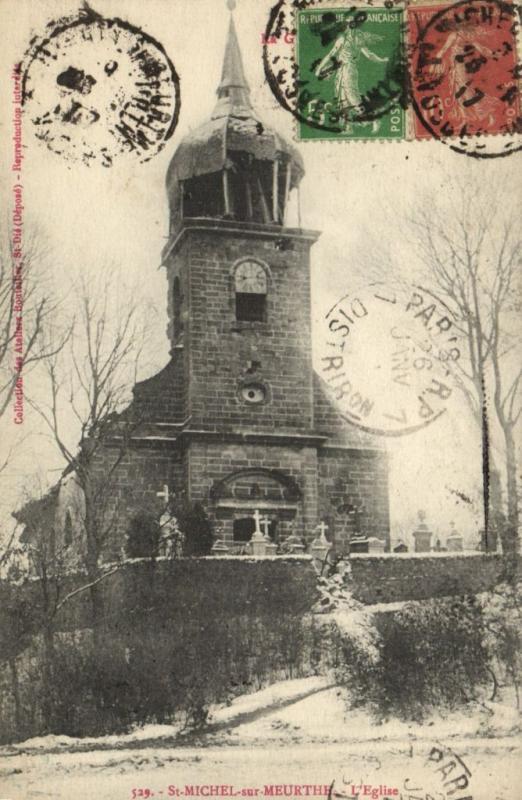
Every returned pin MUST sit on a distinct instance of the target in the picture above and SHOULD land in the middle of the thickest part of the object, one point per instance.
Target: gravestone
(422, 535)
(171, 539)
(359, 544)
(375, 545)
(293, 544)
(270, 546)
(219, 548)
(320, 546)
(489, 543)
(258, 541)
(454, 542)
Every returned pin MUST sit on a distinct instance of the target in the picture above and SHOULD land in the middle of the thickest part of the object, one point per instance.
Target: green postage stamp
(351, 73)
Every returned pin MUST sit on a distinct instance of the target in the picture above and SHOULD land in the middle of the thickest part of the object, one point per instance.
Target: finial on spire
(233, 91)
(231, 4)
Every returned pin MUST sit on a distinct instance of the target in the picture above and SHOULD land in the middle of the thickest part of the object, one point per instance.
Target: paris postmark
(389, 358)
(94, 89)
(426, 771)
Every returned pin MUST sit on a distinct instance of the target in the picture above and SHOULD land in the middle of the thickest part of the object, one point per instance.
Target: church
(238, 422)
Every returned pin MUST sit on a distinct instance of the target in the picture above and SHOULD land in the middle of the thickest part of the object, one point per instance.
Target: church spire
(233, 91)
(233, 166)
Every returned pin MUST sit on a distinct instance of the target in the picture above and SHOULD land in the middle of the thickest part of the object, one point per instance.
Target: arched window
(67, 529)
(251, 286)
(176, 308)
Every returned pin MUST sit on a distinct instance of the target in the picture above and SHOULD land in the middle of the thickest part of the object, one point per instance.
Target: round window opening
(253, 393)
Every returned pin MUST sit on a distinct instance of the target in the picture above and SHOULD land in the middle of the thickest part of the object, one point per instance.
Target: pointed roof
(233, 126)
(232, 73)
(233, 91)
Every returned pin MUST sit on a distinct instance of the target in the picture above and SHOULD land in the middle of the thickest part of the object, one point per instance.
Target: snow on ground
(324, 717)
(275, 695)
(54, 743)
(240, 708)
(259, 741)
(494, 765)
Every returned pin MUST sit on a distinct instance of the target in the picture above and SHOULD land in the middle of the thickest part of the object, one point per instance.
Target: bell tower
(238, 274)
(237, 421)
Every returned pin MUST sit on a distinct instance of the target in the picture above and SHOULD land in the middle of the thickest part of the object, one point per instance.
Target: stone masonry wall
(266, 585)
(225, 353)
(389, 578)
(356, 479)
(210, 462)
(329, 480)
(132, 487)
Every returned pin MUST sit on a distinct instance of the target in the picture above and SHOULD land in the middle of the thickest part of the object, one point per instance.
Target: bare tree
(37, 565)
(472, 254)
(89, 384)
(27, 308)
(26, 305)
(465, 247)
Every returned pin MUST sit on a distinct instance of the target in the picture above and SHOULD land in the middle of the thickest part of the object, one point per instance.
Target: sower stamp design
(340, 71)
(350, 73)
(465, 69)
(94, 88)
(387, 359)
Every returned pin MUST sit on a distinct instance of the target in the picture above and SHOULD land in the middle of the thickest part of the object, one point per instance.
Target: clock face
(250, 278)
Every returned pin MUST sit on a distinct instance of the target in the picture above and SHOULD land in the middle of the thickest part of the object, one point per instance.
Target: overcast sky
(95, 216)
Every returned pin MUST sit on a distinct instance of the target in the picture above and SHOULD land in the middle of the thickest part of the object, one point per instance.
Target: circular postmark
(465, 76)
(387, 358)
(422, 770)
(338, 71)
(96, 88)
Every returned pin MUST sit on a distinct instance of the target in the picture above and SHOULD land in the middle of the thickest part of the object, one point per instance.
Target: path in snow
(311, 741)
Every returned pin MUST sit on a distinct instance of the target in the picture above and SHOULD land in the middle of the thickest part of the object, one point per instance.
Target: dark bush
(502, 609)
(161, 673)
(143, 536)
(430, 654)
(195, 525)
(175, 640)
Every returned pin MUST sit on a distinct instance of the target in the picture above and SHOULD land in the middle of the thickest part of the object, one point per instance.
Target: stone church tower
(238, 420)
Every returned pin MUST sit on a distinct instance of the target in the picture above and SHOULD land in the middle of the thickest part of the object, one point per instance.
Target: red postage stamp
(464, 69)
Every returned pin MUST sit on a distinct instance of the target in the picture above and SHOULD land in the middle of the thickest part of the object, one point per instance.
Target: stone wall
(210, 462)
(331, 481)
(182, 588)
(132, 486)
(225, 353)
(353, 492)
(389, 578)
(285, 585)
(176, 637)
(162, 397)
